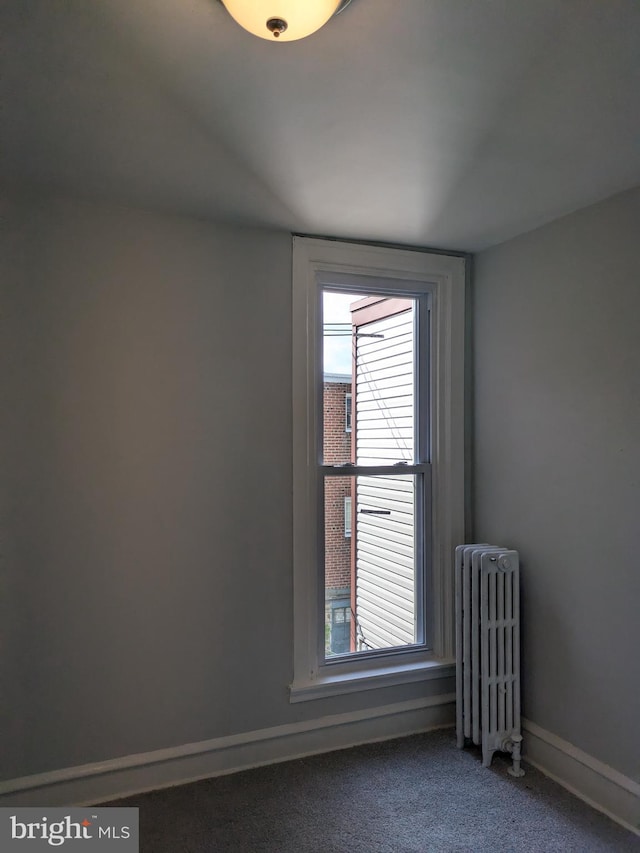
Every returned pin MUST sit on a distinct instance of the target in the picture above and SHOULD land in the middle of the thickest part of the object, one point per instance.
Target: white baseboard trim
(591, 780)
(164, 768)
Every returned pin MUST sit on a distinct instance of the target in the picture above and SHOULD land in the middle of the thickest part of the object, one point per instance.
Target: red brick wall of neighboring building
(337, 448)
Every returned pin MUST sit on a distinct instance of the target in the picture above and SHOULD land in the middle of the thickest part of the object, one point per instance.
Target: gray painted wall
(557, 464)
(146, 474)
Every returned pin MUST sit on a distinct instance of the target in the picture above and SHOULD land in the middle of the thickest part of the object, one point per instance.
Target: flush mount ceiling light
(283, 20)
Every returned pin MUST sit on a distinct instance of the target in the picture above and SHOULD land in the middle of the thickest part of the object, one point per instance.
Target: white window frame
(348, 411)
(347, 516)
(443, 277)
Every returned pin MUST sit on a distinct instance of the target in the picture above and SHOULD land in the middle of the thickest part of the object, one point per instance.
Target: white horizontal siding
(383, 630)
(388, 615)
(390, 583)
(384, 391)
(389, 545)
(372, 564)
(396, 351)
(394, 324)
(385, 562)
(373, 386)
(384, 425)
(395, 401)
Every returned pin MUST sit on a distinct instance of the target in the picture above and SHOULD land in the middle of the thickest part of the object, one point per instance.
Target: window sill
(339, 683)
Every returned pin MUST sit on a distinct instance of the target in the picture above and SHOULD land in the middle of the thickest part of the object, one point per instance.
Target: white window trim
(445, 277)
(347, 399)
(347, 517)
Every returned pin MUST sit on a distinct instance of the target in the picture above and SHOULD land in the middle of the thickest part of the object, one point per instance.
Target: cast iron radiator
(488, 651)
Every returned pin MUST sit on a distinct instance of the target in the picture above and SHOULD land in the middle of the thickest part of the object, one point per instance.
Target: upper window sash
(385, 288)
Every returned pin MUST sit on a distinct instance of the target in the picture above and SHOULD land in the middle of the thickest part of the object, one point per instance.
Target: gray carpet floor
(413, 795)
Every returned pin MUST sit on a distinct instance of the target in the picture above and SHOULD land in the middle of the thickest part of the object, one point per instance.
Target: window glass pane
(376, 569)
(368, 379)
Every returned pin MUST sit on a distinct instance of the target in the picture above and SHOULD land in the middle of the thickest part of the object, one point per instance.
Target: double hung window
(382, 329)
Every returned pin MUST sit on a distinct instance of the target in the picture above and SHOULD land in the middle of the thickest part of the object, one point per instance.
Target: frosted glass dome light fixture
(283, 20)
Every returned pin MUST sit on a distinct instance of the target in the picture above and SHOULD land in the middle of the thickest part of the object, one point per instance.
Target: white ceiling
(451, 123)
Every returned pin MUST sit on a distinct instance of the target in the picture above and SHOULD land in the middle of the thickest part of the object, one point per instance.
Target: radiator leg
(516, 742)
(487, 755)
(487, 759)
